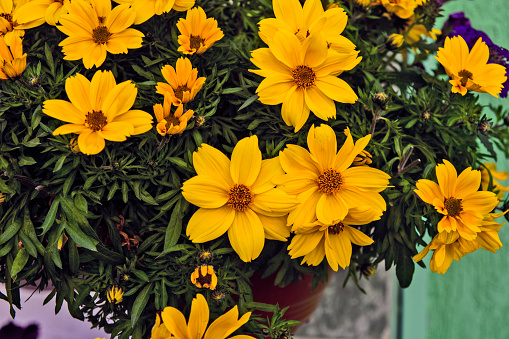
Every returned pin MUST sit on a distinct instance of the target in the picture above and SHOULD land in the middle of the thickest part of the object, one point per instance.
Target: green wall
(471, 301)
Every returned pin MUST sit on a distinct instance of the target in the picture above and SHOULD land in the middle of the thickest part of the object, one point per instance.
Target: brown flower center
(6, 16)
(239, 197)
(203, 280)
(179, 92)
(304, 76)
(329, 182)
(101, 35)
(453, 207)
(465, 76)
(336, 228)
(171, 120)
(196, 41)
(95, 120)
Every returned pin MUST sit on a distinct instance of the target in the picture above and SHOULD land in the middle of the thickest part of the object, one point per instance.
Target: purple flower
(458, 24)
(12, 331)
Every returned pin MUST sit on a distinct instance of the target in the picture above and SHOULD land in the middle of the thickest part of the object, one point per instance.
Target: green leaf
(174, 228)
(12, 228)
(79, 237)
(19, 262)
(405, 268)
(139, 304)
(50, 217)
(248, 102)
(26, 161)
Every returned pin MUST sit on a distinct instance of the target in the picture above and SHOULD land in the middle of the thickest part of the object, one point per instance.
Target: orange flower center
(453, 207)
(196, 41)
(179, 92)
(303, 76)
(465, 76)
(101, 35)
(95, 120)
(336, 228)
(239, 197)
(329, 182)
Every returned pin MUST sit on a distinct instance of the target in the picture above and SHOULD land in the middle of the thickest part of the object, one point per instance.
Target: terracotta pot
(302, 300)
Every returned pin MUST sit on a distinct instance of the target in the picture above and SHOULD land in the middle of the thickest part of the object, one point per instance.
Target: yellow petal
(141, 121)
(102, 83)
(338, 250)
(212, 162)
(78, 91)
(336, 89)
(246, 161)
(209, 224)
(270, 169)
(297, 159)
(468, 182)
(295, 112)
(246, 235)
(428, 191)
(323, 145)
(275, 227)
(275, 202)
(447, 176)
(70, 128)
(63, 110)
(226, 324)
(305, 213)
(357, 237)
(199, 317)
(365, 178)
(289, 12)
(287, 48)
(175, 322)
(303, 244)
(90, 142)
(204, 191)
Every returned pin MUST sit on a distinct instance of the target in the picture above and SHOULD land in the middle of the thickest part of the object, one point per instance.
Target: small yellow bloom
(12, 59)
(2, 197)
(73, 145)
(168, 123)
(182, 82)
(197, 32)
(221, 328)
(446, 248)
(402, 8)
(497, 176)
(115, 294)
(146, 9)
(396, 40)
(204, 277)
(205, 255)
(159, 331)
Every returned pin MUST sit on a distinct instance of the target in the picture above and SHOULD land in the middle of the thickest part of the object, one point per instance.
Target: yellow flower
(305, 21)
(10, 26)
(2, 197)
(99, 109)
(402, 8)
(12, 59)
(146, 9)
(41, 11)
(488, 238)
(182, 83)
(73, 145)
(159, 331)
(471, 70)
(115, 294)
(446, 248)
(204, 277)
(301, 76)
(497, 187)
(333, 241)
(326, 184)
(197, 32)
(237, 197)
(363, 159)
(396, 40)
(458, 199)
(221, 328)
(95, 29)
(168, 123)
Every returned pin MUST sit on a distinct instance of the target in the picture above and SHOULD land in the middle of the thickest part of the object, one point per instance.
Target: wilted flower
(115, 294)
(12, 59)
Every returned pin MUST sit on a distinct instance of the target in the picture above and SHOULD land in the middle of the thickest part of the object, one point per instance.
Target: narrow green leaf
(174, 228)
(19, 262)
(12, 228)
(79, 237)
(50, 217)
(140, 303)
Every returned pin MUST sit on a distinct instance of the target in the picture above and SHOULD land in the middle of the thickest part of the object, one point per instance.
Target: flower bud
(205, 255)
(204, 277)
(381, 100)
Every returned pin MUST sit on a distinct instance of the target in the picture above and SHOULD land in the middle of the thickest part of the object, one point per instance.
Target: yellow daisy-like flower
(301, 76)
(12, 59)
(307, 20)
(204, 277)
(182, 83)
(221, 328)
(458, 198)
(396, 40)
(197, 32)
(446, 248)
(42, 11)
(10, 26)
(470, 69)
(168, 123)
(99, 110)
(146, 9)
(488, 238)
(159, 331)
(332, 241)
(237, 197)
(95, 30)
(115, 294)
(402, 8)
(326, 184)
(497, 187)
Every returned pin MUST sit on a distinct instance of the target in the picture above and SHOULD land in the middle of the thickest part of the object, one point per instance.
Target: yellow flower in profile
(197, 32)
(146, 9)
(182, 83)
(221, 328)
(301, 76)
(446, 248)
(396, 40)
(237, 197)
(488, 238)
(204, 277)
(471, 70)
(458, 199)
(99, 110)
(159, 331)
(485, 179)
(12, 59)
(324, 180)
(10, 26)
(95, 30)
(42, 11)
(402, 8)
(332, 241)
(168, 123)
(115, 294)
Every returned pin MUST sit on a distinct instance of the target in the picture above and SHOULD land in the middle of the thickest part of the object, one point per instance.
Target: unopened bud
(199, 121)
(217, 295)
(483, 126)
(381, 100)
(205, 255)
(426, 115)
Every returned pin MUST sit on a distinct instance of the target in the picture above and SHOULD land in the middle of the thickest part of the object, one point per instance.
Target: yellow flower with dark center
(195, 328)
(159, 331)
(146, 9)
(115, 294)
(41, 11)
(458, 199)
(12, 59)
(497, 187)
(182, 82)
(324, 180)
(168, 123)
(301, 76)
(237, 197)
(95, 30)
(470, 69)
(197, 32)
(204, 277)
(10, 25)
(333, 241)
(99, 110)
